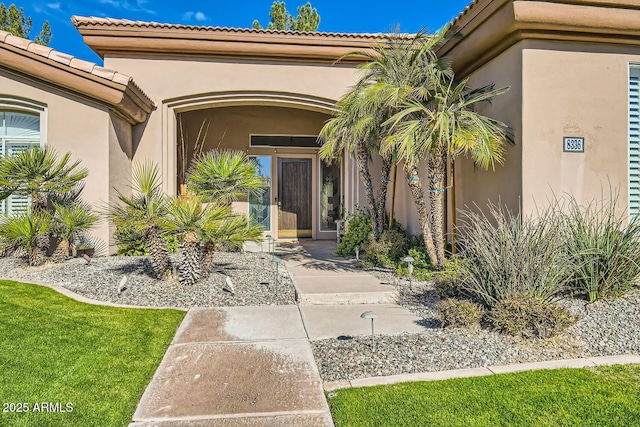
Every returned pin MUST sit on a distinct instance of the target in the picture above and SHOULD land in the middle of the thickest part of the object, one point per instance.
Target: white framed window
(21, 127)
(634, 140)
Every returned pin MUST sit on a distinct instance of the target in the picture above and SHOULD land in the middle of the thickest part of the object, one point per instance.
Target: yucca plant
(508, 255)
(144, 211)
(221, 176)
(606, 249)
(70, 222)
(26, 231)
(38, 173)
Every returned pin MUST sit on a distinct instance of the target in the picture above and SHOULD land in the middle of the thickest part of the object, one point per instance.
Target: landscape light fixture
(370, 315)
(122, 285)
(277, 262)
(409, 260)
(357, 253)
(271, 246)
(87, 258)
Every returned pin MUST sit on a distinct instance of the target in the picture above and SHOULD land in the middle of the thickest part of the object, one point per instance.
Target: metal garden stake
(409, 260)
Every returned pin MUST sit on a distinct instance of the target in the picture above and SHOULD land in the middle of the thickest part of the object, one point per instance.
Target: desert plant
(69, 224)
(357, 233)
(388, 250)
(454, 313)
(37, 172)
(28, 231)
(422, 267)
(530, 317)
(506, 254)
(606, 251)
(222, 176)
(143, 212)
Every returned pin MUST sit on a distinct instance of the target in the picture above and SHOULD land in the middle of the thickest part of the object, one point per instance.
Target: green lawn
(605, 396)
(96, 359)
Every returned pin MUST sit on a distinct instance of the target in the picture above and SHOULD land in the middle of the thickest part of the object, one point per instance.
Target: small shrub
(132, 242)
(530, 317)
(422, 268)
(506, 254)
(389, 250)
(454, 313)
(357, 234)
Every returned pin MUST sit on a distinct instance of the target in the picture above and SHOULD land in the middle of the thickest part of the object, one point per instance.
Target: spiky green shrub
(70, 223)
(530, 317)
(142, 213)
(29, 232)
(222, 176)
(606, 250)
(357, 233)
(506, 255)
(39, 173)
(455, 313)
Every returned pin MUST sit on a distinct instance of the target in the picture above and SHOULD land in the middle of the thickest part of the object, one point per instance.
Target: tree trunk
(437, 174)
(413, 180)
(387, 162)
(62, 251)
(158, 252)
(393, 194)
(190, 269)
(35, 255)
(38, 203)
(209, 253)
(365, 176)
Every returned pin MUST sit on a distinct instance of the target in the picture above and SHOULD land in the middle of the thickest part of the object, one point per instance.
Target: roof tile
(39, 49)
(103, 72)
(81, 21)
(17, 42)
(82, 65)
(63, 58)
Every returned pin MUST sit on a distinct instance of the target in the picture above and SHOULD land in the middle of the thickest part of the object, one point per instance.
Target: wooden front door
(294, 198)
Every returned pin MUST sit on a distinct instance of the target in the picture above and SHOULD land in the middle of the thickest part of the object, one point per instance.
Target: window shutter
(634, 141)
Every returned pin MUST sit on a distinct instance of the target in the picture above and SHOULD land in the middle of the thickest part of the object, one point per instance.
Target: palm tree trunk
(35, 256)
(158, 252)
(38, 203)
(190, 269)
(437, 174)
(209, 253)
(413, 179)
(62, 251)
(365, 176)
(393, 194)
(387, 162)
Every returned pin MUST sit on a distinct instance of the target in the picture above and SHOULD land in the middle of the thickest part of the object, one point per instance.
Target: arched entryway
(304, 194)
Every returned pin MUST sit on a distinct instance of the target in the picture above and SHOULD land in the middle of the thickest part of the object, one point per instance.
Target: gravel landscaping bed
(252, 275)
(605, 328)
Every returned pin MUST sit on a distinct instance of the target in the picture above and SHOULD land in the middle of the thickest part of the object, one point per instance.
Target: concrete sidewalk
(237, 366)
(254, 365)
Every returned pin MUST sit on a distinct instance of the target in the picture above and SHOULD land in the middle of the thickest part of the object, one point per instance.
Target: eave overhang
(134, 38)
(49, 67)
(487, 28)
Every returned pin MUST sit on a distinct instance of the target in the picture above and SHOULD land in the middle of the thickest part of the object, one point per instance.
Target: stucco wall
(575, 89)
(76, 125)
(166, 79)
(474, 185)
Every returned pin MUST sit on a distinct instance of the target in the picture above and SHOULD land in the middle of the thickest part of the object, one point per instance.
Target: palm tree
(70, 222)
(27, 231)
(395, 71)
(144, 211)
(440, 124)
(38, 173)
(222, 176)
(200, 227)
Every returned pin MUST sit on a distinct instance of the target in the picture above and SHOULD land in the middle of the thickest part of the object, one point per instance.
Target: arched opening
(303, 198)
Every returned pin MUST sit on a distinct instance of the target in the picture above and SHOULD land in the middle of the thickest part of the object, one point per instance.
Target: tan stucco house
(573, 106)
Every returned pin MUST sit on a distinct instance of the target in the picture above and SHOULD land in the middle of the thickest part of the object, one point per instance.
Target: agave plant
(144, 211)
(38, 173)
(221, 176)
(70, 222)
(27, 231)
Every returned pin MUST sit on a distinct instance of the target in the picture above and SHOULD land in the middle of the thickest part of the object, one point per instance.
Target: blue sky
(357, 16)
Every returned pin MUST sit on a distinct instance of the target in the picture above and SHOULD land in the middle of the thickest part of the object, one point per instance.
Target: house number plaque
(573, 144)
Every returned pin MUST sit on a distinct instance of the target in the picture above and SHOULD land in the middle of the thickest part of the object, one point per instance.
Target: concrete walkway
(254, 365)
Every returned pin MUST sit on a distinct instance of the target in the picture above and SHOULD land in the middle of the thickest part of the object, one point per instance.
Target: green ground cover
(604, 396)
(58, 354)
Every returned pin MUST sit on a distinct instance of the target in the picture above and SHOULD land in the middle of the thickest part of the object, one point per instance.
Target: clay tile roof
(65, 59)
(81, 21)
(464, 12)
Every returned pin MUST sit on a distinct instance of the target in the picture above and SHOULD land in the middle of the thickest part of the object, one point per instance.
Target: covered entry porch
(303, 196)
